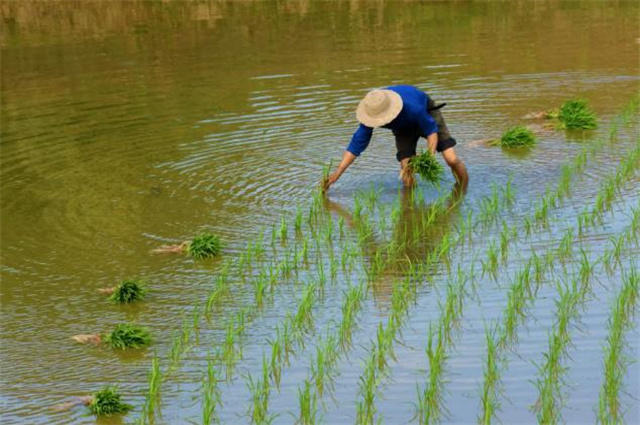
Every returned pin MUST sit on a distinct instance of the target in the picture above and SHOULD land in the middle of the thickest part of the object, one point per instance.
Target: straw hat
(379, 107)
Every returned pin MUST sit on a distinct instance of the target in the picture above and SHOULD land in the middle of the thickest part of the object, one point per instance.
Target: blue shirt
(412, 119)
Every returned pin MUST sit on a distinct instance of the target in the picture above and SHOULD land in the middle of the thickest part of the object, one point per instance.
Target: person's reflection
(417, 231)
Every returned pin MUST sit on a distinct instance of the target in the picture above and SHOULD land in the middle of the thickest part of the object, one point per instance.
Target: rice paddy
(515, 302)
(378, 251)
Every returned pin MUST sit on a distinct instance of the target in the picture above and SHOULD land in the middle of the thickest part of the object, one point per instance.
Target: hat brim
(389, 115)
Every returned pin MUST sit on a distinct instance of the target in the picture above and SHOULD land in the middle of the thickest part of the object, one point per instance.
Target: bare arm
(347, 160)
(432, 142)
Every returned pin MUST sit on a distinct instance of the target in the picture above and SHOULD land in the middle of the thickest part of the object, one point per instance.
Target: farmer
(410, 114)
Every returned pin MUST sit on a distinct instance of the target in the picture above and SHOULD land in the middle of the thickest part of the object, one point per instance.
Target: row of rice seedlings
(289, 334)
(521, 293)
(609, 410)
(549, 405)
(404, 294)
(231, 351)
(429, 406)
(612, 185)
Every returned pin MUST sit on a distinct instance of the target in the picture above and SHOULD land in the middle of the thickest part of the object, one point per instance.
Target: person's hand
(329, 180)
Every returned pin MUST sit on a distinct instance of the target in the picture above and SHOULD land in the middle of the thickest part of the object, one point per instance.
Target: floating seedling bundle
(127, 335)
(128, 291)
(427, 166)
(204, 245)
(576, 114)
(515, 137)
(107, 402)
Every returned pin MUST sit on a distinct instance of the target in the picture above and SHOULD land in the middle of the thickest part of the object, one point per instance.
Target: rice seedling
(204, 245)
(107, 402)
(283, 229)
(303, 317)
(128, 291)
(298, 221)
(490, 390)
(259, 289)
(515, 137)
(429, 407)
(322, 365)
(615, 364)
(428, 167)
(153, 393)
(231, 350)
(491, 265)
(576, 114)
(260, 391)
(614, 252)
(211, 395)
(220, 290)
(126, 335)
(308, 403)
(505, 237)
(350, 307)
(566, 244)
(365, 407)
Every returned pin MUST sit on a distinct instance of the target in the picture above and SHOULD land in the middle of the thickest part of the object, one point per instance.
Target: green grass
(107, 402)
(205, 245)
(128, 291)
(126, 335)
(576, 114)
(516, 137)
(428, 167)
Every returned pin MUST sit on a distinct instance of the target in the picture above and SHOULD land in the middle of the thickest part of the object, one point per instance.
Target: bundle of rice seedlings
(128, 291)
(204, 245)
(107, 402)
(126, 335)
(516, 137)
(427, 166)
(576, 114)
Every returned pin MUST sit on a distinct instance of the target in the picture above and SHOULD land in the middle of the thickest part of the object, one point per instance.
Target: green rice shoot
(107, 402)
(516, 137)
(204, 245)
(128, 291)
(428, 167)
(576, 114)
(126, 335)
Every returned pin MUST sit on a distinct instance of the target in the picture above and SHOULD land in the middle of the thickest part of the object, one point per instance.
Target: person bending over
(410, 114)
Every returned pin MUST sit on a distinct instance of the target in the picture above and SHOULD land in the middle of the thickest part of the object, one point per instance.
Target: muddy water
(129, 125)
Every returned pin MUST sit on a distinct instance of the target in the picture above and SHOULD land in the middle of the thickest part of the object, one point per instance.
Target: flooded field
(127, 126)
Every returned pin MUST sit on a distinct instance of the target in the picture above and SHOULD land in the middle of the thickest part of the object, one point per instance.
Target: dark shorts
(406, 143)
